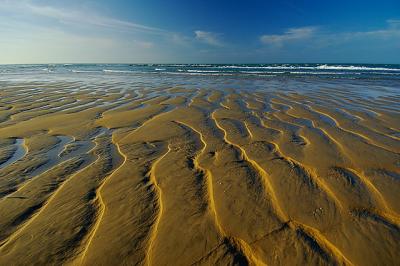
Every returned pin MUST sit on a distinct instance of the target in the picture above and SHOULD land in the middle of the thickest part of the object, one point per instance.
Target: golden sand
(197, 177)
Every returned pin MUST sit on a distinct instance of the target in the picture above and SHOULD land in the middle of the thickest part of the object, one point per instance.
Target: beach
(200, 165)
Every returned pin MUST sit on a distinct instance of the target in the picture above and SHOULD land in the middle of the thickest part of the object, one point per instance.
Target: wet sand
(193, 176)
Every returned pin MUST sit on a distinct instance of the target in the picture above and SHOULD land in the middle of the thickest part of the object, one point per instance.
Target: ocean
(365, 80)
(353, 71)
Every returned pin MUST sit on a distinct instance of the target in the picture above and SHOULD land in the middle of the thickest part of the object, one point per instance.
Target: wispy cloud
(210, 38)
(144, 44)
(76, 17)
(180, 39)
(391, 31)
(293, 34)
(394, 23)
(315, 34)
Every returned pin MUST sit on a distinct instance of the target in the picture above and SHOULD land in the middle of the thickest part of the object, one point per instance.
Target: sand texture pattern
(176, 176)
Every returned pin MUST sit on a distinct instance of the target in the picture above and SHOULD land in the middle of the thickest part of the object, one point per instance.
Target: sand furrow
(328, 245)
(103, 206)
(236, 243)
(153, 180)
(323, 242)
(53, 161)
(209, 180)
(371, 187)
(362, 136)
(378, 196)
(268, 186)
(147, 121)
(15, 235)
(267, 183)
(18, 209)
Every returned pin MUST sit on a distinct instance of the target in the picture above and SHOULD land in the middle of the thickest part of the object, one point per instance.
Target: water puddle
(18, 154)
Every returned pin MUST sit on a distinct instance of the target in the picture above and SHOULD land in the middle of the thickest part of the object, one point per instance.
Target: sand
(179, 176)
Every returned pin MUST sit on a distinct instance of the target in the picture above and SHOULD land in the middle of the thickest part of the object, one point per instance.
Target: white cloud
(208, 37)
(293, 34)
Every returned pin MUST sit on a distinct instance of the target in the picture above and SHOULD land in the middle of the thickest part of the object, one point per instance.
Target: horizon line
(194, 63)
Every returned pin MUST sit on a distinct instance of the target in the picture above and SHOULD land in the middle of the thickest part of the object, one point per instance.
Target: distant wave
(117, 71)
(385, 73)
(322, 73)
(321, 67)
(356, 68)
(85, 71)
(202, 71)
(160, 69)
(188, 65)
(263, 72)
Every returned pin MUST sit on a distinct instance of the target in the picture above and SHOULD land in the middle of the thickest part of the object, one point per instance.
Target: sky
(199, 31)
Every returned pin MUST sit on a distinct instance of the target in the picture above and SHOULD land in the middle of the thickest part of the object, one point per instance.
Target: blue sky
(201, 31)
